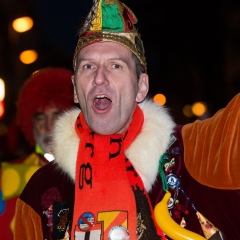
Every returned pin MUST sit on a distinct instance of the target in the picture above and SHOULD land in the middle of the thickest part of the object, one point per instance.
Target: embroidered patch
(140, 226)
(50, 196)
(62, 213)
(145, 224)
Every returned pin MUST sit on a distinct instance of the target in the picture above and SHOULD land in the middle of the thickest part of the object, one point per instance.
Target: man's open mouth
(102, 102)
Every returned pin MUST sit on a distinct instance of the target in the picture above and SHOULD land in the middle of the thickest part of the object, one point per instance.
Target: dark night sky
(192, 47)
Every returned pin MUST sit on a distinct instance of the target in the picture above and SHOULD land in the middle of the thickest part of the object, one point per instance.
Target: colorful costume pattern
(195, 143)
(14, 177)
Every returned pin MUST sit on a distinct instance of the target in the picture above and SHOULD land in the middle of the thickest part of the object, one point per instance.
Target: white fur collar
(144, 152)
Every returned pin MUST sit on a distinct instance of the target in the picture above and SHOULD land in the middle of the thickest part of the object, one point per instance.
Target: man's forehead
(110, 46)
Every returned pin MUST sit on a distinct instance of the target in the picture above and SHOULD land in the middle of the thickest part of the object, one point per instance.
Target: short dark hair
(138, 66)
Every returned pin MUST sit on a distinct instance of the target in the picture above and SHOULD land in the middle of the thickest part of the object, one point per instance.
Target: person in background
(43, 97)
(116, 158)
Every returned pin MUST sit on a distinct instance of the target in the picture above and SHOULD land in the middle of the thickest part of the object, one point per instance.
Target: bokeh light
(28, 56)
(159, 99)
(49, 157)
(22, 24)
(187, 111)
(1, 109)
(2, 89)
(199, 108)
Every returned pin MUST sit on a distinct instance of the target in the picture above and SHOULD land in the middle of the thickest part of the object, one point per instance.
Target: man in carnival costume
(117, 156)
(45, 95)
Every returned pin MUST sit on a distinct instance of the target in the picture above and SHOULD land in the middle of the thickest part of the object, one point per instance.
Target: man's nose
(49, 124)
(100, 77)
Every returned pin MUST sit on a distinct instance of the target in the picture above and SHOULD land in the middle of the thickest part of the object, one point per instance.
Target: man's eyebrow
(119, 59)
(79, 60)
(38, 114)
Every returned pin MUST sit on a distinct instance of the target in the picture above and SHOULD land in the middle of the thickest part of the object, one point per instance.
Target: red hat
(46, 87)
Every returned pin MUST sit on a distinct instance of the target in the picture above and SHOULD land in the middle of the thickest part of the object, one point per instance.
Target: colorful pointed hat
(111, 20)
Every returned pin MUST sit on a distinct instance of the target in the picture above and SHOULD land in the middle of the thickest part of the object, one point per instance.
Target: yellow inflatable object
(169, 226)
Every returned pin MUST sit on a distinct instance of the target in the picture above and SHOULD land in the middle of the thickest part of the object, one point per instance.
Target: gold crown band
(131, 40)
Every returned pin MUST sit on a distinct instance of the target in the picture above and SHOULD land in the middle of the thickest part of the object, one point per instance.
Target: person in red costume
(117, 156)
(43, 97)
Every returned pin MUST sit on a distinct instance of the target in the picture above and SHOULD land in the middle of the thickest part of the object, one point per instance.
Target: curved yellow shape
(11, 180)
(169, 226)
(30, 172)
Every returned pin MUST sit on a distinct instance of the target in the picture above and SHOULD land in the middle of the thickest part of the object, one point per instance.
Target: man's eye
(39, 118)
(88, 66)
(116, 66)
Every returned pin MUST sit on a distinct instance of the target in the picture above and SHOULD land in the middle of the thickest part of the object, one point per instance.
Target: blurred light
(187, 111)
(160, 99)
(28, 56)
(35, 72)
(1, 109)
(2, 89)
(49, 157)
(3, 129)
(199, 108)
(22, 24)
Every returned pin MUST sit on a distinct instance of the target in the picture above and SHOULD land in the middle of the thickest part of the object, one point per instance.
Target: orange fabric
(212, 148)
(27, 223)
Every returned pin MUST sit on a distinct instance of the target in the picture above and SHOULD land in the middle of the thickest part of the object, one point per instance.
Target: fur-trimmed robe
(156, 120)
(199, 140)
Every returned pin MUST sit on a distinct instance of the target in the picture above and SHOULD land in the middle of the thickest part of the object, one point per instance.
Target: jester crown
(111, 20)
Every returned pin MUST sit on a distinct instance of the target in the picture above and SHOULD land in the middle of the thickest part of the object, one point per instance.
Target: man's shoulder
(50, 173)
(50, 176)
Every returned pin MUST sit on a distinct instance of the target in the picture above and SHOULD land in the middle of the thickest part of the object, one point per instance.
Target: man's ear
(143, 87)
(75, 98)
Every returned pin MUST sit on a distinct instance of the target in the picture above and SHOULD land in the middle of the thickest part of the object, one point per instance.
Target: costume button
(176, 150)
(170, 203)
(86, 221)
(118, 233)
(172, 181)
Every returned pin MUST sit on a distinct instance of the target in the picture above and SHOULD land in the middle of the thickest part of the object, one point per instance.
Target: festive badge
(86, 221)
(172, 140)
(62, 213)
(118, 232)
(172, 181)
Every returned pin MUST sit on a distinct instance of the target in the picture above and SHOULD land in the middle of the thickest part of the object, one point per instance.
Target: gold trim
(109, 2)
(131, 40)
(134, 16)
